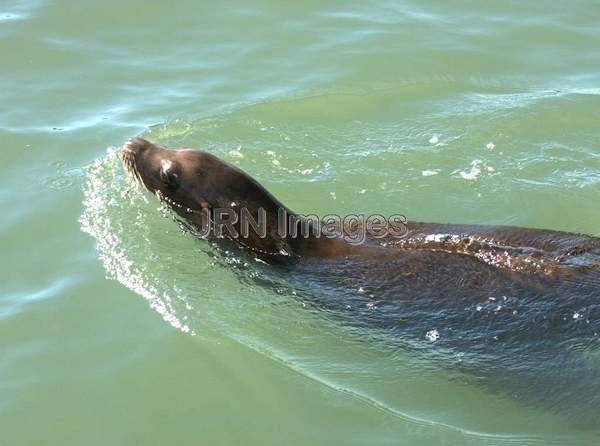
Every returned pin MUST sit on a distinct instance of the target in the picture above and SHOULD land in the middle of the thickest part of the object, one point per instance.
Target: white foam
(432, 335)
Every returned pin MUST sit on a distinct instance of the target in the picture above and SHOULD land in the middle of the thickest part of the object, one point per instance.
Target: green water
(481, 112)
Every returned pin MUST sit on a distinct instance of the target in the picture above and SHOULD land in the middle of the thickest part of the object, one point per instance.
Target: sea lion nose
(135, 146)
(134, 156)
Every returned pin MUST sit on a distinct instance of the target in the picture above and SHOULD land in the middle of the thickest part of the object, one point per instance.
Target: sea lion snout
(135, 146)
(149, 164)
(131, 153)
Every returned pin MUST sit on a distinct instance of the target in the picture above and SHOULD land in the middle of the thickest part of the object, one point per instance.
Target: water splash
(105, 192)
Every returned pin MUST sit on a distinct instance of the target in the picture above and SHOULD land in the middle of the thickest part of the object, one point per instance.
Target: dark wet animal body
(520, 307)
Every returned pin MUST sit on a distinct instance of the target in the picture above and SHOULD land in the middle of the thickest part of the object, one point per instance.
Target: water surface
(469, 113)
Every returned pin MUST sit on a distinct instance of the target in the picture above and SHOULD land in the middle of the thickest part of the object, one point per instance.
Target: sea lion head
(193, 182)
(183, 177)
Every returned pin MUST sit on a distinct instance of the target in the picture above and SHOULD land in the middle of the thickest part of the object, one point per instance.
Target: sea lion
(192, 181)
(518, 303)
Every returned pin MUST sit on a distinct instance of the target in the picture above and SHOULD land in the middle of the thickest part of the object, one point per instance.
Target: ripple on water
(65, 177)
(13, 303)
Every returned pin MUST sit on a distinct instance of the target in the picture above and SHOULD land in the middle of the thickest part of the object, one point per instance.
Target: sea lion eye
(167, 175)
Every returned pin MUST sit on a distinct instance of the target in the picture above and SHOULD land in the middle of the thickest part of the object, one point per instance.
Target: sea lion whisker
(130, 166)
(137, 173)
